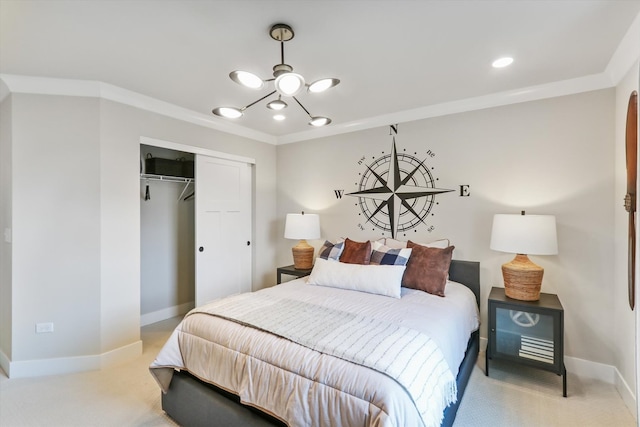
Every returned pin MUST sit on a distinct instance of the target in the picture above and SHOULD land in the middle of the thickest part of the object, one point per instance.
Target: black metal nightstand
(527, 332)
(291, 271)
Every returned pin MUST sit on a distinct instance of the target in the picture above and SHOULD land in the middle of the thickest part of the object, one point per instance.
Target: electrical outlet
(44, 328)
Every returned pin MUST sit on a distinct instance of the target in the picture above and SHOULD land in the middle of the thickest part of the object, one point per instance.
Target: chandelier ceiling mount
(287, 83)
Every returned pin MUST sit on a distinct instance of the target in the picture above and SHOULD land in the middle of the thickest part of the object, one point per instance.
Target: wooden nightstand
(527, 332)
(291, 271)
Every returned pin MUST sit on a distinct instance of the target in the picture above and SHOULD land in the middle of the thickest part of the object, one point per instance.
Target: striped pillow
(384, 255)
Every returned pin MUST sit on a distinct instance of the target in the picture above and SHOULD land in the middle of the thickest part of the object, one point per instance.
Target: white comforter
(304, 387)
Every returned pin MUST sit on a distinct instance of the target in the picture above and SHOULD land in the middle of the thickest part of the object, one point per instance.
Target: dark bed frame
(191, 402)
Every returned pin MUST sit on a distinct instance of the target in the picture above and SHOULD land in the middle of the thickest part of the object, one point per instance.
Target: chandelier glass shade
(228, 112)
(247, 79)
(289, 84)
(319, 121)
(277, 104)
(286, 82)
(322, 85)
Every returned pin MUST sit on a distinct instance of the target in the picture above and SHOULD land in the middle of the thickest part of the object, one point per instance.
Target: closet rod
(166, 178)
(181, 179)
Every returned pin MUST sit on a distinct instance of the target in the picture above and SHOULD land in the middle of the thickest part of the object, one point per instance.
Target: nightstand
(291, 271)
(527, 332)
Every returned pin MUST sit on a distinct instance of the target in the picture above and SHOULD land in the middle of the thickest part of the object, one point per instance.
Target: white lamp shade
(302, 226)
(524, 234)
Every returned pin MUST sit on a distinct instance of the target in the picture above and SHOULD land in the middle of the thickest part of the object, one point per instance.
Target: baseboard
(483, 344)
(4, 362)
(627, 394)
(166, 313)
(592, 370)
(69, 365)
(121, 355)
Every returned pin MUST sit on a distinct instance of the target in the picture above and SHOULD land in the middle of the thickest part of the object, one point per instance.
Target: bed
(245, 375)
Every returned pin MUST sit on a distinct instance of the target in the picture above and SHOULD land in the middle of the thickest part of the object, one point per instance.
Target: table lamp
(523, 235)
(302, 226)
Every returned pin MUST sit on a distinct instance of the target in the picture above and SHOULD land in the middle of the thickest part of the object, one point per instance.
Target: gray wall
(553, 156)
(74, 195)
(55, 221)
(5, 221)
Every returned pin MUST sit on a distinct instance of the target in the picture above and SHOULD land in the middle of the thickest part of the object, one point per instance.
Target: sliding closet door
(222, 227)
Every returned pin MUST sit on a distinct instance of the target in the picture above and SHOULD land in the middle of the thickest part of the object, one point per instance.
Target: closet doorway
(195, 230)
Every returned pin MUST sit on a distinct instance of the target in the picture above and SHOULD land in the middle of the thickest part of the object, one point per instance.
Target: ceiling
(391, 56)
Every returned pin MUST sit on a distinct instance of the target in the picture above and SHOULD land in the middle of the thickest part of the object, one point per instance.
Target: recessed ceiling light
(502, 62)
(279, 117)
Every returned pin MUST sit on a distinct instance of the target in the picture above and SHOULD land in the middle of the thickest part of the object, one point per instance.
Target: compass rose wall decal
(397, 191)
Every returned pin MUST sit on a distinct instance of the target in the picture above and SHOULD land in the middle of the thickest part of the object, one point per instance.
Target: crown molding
(625, 56)
(532, 93)
(68, 87)
(91, 88)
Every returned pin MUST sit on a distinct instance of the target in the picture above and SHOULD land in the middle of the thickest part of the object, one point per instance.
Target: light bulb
(277, 105)
(228, 112)
(319, 121)
(289, 84)
(247, 79)
(322, 85)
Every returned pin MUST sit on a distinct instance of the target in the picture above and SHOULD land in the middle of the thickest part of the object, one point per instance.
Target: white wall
(76, 225)
(547, 157)
(624, 328)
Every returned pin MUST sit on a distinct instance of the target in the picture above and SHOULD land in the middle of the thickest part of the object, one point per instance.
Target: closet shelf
(167, 178)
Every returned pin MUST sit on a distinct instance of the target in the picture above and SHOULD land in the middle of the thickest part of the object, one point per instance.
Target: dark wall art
(397, 191)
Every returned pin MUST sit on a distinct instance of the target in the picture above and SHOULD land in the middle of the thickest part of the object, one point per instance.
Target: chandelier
(287, 84)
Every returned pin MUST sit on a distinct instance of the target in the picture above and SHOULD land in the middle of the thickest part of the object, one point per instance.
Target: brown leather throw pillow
(356, 252)
(427, 269)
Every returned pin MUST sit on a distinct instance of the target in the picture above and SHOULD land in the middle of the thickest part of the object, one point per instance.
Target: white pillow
(375, 279)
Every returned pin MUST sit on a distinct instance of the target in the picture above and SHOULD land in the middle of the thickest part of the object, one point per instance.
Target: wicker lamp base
(302, 255)
(522, 279)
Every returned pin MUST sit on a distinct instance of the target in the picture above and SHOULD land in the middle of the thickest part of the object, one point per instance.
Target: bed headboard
(467, 273)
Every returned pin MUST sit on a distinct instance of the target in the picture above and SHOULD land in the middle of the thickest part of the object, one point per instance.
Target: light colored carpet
(514, 395)
(128, 396)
